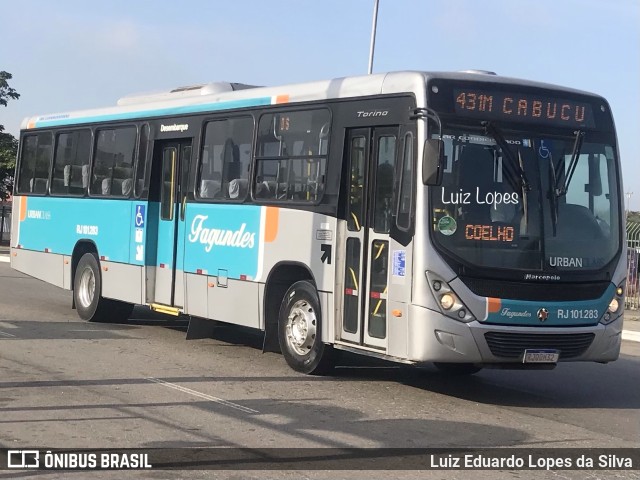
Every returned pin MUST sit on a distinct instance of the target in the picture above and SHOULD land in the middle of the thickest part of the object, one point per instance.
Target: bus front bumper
(434, 337)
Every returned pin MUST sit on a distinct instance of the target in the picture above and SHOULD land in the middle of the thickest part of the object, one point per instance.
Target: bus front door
(169, 188)
(371, 154)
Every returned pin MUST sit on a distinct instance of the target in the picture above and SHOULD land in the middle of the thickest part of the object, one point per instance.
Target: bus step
(158, 307)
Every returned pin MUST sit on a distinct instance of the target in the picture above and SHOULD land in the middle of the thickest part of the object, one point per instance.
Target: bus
(462, 219)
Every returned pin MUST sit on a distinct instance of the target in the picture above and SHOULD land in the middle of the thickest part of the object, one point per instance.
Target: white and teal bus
(465, 219)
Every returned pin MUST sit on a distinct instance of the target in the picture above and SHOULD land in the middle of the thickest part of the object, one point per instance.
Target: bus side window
(71, 155)
(405, 194)
(113, 161)
(384, 183)
(223, 172)
(291, 156)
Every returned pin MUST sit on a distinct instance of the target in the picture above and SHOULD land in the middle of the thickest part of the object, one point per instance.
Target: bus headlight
(614, 309)
(448, 302)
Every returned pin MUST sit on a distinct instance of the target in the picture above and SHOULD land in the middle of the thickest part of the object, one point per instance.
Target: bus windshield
(516, 200)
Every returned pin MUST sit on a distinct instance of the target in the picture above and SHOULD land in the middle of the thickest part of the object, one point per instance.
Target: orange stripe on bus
(23, 208)
(31, 124)
(271, 224)
(494, 304)
(282, 99)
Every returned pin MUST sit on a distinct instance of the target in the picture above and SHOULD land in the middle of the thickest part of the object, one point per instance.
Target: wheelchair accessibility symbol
(139, 218)
(543, 151)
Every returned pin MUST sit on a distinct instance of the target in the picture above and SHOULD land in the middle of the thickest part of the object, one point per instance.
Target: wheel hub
(301, 327)
(87, 287)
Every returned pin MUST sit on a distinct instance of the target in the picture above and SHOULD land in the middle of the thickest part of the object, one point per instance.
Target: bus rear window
(35, 160)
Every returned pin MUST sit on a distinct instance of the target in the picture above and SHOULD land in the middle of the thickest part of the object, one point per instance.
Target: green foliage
(6, 92)
(8, 143)
(8, 152)
(633, 217)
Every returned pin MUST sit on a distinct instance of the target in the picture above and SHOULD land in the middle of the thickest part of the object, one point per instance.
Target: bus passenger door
(371, 154)
(169, 188)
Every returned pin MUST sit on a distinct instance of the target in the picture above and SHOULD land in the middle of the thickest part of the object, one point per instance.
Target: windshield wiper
(515, 173)
(555, 191)
(553, 196)
(514, 170)
(525, 199)
(577, 146)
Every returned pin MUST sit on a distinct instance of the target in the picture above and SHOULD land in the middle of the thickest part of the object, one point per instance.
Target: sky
(68, 55)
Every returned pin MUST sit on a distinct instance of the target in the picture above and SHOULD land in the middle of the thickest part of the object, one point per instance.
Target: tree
(633, 217)
(6, 92)
(8, 143)
(8, 151)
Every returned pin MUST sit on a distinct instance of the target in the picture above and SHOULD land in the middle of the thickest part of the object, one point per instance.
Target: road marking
(7, 325)
(5, 334)
(87, 330)
(631, 335)
(221, 401)
(4, 258)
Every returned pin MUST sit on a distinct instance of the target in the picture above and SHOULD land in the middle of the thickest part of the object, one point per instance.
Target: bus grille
(486, 287)
(513, 345)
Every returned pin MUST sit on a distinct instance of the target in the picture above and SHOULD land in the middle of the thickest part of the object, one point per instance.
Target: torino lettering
(222, 238)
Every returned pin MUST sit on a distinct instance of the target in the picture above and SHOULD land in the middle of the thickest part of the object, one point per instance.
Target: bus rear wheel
(299, 328)
(87, 294)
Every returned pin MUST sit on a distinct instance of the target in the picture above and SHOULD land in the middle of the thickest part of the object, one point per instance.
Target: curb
(631, 335)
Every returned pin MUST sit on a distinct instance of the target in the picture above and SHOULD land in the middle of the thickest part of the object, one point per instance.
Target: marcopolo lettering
(534, 276)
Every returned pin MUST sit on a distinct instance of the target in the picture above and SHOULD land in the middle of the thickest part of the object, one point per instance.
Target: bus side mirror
(433, 162)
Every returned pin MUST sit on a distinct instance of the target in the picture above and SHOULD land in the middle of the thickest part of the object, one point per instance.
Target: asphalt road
(69, 384)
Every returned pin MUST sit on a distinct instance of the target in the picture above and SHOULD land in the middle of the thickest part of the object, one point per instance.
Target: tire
(458, 368)
(299, 327)
(87, 294)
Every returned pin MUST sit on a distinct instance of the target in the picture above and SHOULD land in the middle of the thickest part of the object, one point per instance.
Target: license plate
(541, 356)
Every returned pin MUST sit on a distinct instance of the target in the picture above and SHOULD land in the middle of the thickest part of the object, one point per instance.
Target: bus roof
(226, 96)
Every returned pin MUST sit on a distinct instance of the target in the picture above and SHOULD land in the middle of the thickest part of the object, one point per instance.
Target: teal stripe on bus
(161, 112)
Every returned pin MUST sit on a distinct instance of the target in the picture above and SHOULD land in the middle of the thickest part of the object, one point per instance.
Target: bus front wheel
(299, 331)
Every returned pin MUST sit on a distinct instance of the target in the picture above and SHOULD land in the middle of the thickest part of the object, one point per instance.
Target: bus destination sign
(519, 107)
